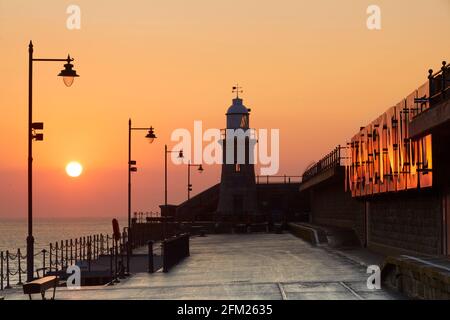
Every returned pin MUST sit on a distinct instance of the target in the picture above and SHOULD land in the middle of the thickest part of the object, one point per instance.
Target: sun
(74, 169)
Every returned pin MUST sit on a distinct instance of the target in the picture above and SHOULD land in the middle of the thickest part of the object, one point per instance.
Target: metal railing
(439, 83)
(331, 160)
(438, 88)
(140, 217)
(278, 179)
(174, 250)
(11, 268)
(62, 254)
(239, 133)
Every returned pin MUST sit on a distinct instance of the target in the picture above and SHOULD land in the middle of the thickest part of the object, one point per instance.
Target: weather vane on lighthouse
(237, 89)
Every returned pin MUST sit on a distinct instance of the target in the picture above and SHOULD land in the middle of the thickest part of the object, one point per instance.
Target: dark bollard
(1, 270)
(95, 247)
(150, 256)
(62, 255)
(111, 254)
(116, 279)
(84, 248)
(80, 248)
(19, 268)
(102, 248)
(76, 249)
(89, 255)
(56, 256)
(50, 262)
(71, 252)
(121, 266)
(43, 262)
(67, 253)
(128, 257)
(7, 270)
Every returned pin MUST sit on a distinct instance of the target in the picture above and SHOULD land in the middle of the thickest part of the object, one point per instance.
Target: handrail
(439, 82)
(331, 160)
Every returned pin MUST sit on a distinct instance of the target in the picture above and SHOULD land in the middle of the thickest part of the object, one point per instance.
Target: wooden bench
(40, 286)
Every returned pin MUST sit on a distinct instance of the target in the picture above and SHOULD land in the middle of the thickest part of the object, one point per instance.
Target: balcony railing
(239, 133)
(439, 83)
(331, 160)
(438, 88)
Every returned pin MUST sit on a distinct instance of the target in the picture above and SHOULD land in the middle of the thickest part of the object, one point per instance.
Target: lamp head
(151, 135)
(68, 73)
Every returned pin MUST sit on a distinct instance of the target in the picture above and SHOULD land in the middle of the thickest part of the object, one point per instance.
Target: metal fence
(62, 254)
(174, 250)
(433, 92)
(331, 160)
(439, 83)
(141, 217)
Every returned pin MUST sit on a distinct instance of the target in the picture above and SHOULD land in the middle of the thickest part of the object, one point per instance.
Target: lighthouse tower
(237, 186)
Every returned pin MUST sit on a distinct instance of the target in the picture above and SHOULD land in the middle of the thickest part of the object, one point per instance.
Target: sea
(13, 232)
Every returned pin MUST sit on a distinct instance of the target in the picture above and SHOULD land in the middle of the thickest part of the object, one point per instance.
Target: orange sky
(310, 68)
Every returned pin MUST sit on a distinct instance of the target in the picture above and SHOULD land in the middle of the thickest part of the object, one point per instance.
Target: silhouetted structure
(237, 186)
(394, 194)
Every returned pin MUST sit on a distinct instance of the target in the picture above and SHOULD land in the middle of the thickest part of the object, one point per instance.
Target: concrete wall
(332, 206)
(281, 201)
(276, 200)
(406, 222)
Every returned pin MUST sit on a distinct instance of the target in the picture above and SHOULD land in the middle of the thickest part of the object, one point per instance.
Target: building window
(244, 121)
(237, 168)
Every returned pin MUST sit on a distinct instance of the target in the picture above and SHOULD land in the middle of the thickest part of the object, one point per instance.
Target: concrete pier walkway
(244, 266)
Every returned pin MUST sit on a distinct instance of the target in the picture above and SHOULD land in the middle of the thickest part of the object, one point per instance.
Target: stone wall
(406, 221)
(417, 279)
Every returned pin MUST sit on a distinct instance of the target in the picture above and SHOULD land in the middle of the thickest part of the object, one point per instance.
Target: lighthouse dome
(237, 115)
(237, 107)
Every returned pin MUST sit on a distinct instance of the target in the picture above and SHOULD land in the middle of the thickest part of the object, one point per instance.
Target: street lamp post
(180, 155)
(166, 152)
(189, 185)
(68, 75)
(131, 168)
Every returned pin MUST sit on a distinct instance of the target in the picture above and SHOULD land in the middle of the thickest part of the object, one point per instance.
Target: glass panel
(384, 158)
(244, 121)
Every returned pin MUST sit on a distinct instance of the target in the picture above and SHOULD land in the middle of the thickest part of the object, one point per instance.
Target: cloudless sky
(309, 68)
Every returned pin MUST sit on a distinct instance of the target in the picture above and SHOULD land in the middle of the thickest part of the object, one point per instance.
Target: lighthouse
(237, 186)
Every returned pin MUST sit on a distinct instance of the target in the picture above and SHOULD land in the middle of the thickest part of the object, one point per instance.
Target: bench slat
(40, 285)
